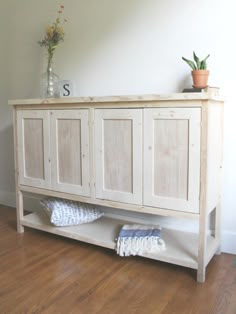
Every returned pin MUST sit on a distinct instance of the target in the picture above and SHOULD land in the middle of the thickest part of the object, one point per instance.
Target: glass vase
(49, 82)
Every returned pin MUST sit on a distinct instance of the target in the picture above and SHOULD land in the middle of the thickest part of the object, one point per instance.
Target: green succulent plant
(197, 64)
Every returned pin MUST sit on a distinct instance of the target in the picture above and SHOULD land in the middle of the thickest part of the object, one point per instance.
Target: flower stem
(49, 69)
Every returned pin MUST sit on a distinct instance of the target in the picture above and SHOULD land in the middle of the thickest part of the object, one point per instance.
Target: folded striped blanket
(139, 239)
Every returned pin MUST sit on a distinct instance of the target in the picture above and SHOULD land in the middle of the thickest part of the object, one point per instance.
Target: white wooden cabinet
(155, 155)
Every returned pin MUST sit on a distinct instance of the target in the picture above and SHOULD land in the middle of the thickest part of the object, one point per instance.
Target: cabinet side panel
(69, 151)
(118, 155)
(171, 158)
(214, 154)
(33, 148)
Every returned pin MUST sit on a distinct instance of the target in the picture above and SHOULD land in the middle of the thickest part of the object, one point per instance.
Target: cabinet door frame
(83, 116)
(193, 115)
(134, 197)
(23, 178)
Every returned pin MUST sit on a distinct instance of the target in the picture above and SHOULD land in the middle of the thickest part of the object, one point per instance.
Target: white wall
(122, 47)
(6, 135)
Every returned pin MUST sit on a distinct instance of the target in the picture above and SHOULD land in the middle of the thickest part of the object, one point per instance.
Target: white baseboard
(8, 198)
(228, 242)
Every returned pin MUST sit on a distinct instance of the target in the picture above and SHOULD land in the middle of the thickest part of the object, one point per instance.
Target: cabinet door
(33, 148)
(172, 158)
(70, 151)
(118, 155)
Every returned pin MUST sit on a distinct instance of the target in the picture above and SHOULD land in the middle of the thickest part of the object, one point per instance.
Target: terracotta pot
(200, 78)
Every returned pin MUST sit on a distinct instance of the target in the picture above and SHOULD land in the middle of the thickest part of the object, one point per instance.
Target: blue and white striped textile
(139, 239)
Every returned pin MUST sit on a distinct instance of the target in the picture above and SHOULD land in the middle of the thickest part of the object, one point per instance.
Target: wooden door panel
(118, 143)
(70, 151)
(69, 145)
(172, 158)
(118, 155)
(33, 148)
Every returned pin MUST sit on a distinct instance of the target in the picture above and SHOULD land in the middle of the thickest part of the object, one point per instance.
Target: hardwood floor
(44, 273)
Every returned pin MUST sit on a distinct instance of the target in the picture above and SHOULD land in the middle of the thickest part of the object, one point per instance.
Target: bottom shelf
(181, 247)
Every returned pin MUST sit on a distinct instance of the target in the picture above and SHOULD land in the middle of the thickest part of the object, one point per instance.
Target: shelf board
(181, 247)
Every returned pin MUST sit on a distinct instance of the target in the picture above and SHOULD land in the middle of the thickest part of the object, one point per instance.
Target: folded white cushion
(67, 213)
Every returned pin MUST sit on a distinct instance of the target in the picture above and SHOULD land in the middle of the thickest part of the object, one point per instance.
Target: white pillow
(67, 213)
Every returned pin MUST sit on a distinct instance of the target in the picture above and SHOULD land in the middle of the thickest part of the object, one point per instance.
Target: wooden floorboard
(45, 273)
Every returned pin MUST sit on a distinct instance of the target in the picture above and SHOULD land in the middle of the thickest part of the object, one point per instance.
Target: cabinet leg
(20, 228)
(217, 227)
(19, 211)
(202, 247)
(201, 275)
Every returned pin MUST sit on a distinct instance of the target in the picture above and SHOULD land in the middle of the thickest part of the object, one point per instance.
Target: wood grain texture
(171, 158)
(214, 154)
(69, 151)
(34, 148)
(19, 197)
(70, 157)
(183, 97)
(118, 155)
(43, 273)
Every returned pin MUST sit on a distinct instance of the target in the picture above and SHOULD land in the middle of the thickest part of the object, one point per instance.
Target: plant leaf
(190, 63)
(197, 60)
(203, 63)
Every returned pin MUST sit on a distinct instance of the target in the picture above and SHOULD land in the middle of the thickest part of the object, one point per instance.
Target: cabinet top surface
(118, 99)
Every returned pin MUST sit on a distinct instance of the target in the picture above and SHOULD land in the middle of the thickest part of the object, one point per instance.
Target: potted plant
(200, 73)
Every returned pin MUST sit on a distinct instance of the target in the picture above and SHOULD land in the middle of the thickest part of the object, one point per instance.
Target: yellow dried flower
(54, 34)
(49, 31)
(59, 30)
